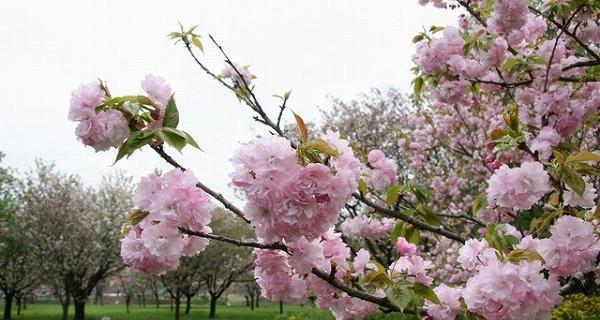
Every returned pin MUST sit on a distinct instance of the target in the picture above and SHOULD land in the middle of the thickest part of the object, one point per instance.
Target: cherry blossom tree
(17, 273)
(77, 236)
(501, 171)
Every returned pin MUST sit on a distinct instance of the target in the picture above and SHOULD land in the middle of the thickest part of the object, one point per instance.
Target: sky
(315, 48)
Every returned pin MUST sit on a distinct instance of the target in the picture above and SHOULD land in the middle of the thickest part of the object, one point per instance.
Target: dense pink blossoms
(571, 248)
(287, 200)
(100, 130)
(449, 307)
(512, 291)
(381, 172)
(172, 201)
(518, 188)
(369, 228)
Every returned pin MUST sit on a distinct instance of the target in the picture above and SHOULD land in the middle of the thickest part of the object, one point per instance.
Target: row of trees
(59, 236)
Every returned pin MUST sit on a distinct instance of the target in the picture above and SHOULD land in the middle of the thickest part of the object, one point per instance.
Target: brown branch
(587, 63)
(418, 224)
(567, 32)
(219, 197)
(239, 243)
(384, 302)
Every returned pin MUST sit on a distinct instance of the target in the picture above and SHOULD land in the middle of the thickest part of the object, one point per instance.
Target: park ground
(266, 311)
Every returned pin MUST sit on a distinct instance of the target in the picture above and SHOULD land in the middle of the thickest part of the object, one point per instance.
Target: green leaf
(322, 146)
(197, 43)
(425, 292)
(398, 231)
(362, 186)
(171, 119)
(478, 203)
(400, 295)
(379, 276)
(173, 137)
(429, 215)
(136, 140)
(418, 85)
(583, 156)
(393, 193)
(524, 254)
(574, 180)
(413, 235)
(418, 38)
(191, 141)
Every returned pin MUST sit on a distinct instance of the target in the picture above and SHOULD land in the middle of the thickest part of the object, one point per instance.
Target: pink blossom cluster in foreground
(507, 290)
(287, 200)
(288, 277)
(172, 200)
(100, 130)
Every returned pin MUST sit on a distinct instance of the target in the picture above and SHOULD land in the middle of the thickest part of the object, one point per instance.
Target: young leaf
(171, 119)
(191, 141)
(392, 194)
(301, 127)
(362, 186)
(425, 292)
(136, 140)
(197, 43)
(400, 295)
(583, 156)
(175, 138)
(574, 180)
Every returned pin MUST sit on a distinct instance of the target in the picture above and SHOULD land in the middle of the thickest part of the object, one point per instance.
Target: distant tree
(17, 271)
(178, 283)
(225, 264)
(77, 236)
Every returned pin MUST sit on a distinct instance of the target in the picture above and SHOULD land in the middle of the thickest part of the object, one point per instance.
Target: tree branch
(219, 197)
(418, 224)
(239, 243)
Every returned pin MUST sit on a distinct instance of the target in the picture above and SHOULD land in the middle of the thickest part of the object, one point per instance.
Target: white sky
(316, 48)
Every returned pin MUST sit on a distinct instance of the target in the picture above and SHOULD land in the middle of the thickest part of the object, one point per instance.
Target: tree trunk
(79, 310)
(25, 303)
(156, 299)
(143, 299)
(65, 307)
(281, 307)
(247, 300)
(19, 305)
(177, 305)
(8, 298)
(188, 302)
(213, 306)
(256, 299)
(252, 302)
(127, 302)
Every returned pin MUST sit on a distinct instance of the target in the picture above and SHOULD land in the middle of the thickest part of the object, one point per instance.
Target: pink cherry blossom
(158, 90)
(103, 130)
(571, 248)
(369, 228)
(518, 188)
(306, 255)
(240, 75)
(85, 100)
(405, 248)
(586, 200)
(382, 171)
(450, 303)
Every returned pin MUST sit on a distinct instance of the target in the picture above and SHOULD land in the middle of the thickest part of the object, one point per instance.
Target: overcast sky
(316, 48)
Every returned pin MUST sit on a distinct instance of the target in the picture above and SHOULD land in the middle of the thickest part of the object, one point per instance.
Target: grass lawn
(197, 312)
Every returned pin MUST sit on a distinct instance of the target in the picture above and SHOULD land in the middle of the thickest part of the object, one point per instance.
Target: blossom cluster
(100, 130)
(381, 172)
(287, 200)
(368, 228)
(170, 201)
(518, 188)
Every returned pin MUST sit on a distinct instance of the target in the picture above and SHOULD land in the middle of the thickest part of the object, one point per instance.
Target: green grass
(267, 311)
